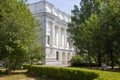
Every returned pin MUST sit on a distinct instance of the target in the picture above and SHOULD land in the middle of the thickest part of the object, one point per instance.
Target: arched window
(48, 39)
(57, 55)
(68, 57)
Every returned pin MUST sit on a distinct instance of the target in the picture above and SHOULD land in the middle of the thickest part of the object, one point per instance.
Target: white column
(65, 38)
(53, 31)
(57, 37)
(59, 29)
(51, 34)
(61, 37)
(67, 43)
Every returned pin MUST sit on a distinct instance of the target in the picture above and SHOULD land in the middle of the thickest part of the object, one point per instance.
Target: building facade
(54, 25)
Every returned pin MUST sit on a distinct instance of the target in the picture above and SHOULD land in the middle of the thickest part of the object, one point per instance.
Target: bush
(79, 61)
(1, 71)
(26, 66)
(84, 64)
(61, 73)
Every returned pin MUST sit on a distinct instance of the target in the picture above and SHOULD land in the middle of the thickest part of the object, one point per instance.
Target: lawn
(21, 75)
(18, 75)
(107, 75)
(15, 77)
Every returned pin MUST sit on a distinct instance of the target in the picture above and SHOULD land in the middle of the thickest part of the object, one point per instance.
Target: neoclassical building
(54, 23)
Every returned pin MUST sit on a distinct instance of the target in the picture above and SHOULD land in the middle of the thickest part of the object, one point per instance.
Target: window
(49, 25)
(68, 57)
(70, 45)
(57, 55)
(48, 39)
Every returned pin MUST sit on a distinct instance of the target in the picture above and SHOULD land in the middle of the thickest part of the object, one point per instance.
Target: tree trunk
(112, 59)
(8, 66)
(99, 59)
(8, 69)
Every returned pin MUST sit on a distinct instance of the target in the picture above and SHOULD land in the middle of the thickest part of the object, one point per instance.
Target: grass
(110, 74)
(21, 75)
(18, 75)
(107, 75)
(15, 77)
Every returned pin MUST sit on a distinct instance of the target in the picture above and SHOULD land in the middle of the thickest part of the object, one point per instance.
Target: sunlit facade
(54, 24)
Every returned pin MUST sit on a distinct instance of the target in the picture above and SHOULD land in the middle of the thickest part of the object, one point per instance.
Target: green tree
(79, 15)
(97, 30)
(34, 55)
(110, 21)
(93, 37)
(81, 38)
(17, 32)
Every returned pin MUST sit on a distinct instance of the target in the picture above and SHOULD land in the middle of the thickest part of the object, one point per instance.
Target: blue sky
(64, 5)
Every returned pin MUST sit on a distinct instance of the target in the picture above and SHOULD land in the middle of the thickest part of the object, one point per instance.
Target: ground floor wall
(54, 56)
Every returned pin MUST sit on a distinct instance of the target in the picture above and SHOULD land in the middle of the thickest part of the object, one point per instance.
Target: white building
(54, 24)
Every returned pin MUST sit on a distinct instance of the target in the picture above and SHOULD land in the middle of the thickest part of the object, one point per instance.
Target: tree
(79, 15)
(34, 55)
(98, 29)
(78, 34)
(110, 21)
(93, 37)
(17, 32)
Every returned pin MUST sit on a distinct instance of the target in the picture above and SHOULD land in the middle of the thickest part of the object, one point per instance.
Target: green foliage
(110, 21)
(79, 61)
(17, 33)
(26, 66)
(1, 72)
(95, 27)
(84, 65)
(80, 33)
(60, 73)
(34, 54)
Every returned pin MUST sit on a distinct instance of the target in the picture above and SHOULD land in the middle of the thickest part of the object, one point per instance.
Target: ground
(18, 75)
(22, 75)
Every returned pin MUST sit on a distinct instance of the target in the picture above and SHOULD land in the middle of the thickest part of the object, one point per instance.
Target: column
(52, 34)
(59, 29)
(62, 32)
(65, 38)
(57, 37)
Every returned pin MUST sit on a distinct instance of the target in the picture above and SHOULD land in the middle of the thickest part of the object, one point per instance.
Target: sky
(64, 5)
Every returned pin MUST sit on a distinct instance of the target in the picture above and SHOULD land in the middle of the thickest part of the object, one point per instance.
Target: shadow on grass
(16, 72)
(35, 77)
(19, 74)
(116, 69)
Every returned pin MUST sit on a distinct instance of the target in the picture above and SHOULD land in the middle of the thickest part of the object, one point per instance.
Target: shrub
(62, 73)
(26, 66)
(1, 71)
(84, 64)
(79, 61)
